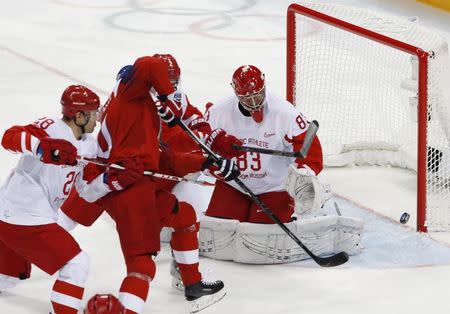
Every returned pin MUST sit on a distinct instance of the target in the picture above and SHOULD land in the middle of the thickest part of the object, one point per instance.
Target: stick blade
(334, 260)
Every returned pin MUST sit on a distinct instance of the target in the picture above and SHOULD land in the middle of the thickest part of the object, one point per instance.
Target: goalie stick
(310, 134)
(148, 173)
(329, 261)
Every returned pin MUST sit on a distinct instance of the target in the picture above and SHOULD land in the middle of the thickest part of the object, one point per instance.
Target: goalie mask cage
(377, 85)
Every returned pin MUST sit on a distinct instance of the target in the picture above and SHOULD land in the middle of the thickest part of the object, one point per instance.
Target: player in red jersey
(183, 156)
(131, 124)
(35, 189)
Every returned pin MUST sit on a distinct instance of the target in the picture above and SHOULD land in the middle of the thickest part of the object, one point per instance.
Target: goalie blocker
(252, 243)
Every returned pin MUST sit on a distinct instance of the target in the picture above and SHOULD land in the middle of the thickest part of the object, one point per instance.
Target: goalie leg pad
(325, 235)
(216, 238)
(349, 233)
(252, 243)
(265, 244)
(269, 244)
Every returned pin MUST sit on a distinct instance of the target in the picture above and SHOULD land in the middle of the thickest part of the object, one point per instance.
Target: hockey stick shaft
(147, 173)
(266, 151)
(333, 260)
(309, 137)
(310, 134)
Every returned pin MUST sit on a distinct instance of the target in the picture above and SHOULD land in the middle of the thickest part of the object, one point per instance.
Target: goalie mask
(249, 85)
(172, 66)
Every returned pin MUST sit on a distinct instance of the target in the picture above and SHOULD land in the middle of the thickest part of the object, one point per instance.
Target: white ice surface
(46, 45)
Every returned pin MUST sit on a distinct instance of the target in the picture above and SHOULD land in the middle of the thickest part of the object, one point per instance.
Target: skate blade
(206, 301)
(177, 284)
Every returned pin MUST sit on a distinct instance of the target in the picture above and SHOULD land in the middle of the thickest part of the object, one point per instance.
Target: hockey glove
(91, 171)
(225, 169)
(200, 125)
(222, 143)
(308, 192)
(118, 179)
(169, 111)
(57, 152)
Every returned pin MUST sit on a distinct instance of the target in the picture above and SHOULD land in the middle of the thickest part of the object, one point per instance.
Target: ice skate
(177, 283)
(204, 294)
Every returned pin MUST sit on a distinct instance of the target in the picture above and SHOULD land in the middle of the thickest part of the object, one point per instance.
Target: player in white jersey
(261, 119)
(36, 188)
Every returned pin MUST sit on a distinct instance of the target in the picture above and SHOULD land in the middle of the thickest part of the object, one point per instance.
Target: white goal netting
(365, 96)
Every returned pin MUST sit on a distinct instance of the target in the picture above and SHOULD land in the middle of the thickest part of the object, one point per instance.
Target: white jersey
(260, 172)
(34, 191)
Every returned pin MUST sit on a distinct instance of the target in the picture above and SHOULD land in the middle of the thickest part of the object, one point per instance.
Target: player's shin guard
(68, 289)
(134, 289)
(184, 244)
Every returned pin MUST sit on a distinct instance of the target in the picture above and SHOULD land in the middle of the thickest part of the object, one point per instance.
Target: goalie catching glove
(308, 192)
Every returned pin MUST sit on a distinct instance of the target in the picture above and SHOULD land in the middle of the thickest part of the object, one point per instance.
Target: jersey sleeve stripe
(23, 144)
(34, 143)
(104, 140)
(28, 142)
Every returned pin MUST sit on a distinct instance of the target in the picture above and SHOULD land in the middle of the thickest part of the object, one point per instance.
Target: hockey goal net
(377, 85)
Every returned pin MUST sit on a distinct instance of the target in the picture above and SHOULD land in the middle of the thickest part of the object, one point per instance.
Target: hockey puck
(404, 218)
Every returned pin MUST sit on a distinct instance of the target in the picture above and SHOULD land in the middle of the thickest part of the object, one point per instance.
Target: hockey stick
(147, 173)
(310, 134)
(333, 260)
(336, 207)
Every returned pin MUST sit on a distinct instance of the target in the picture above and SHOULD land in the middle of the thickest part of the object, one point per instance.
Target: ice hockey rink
(49, 44)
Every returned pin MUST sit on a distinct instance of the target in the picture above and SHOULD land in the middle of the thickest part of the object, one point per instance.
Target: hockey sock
(66, 298)
(185, 249)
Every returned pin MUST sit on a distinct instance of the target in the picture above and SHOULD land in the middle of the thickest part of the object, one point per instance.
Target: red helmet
(172, 65)
(78, 98)
(104, 304)
(249, 85)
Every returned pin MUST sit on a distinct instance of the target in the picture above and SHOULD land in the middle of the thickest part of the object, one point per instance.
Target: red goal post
(322, 25)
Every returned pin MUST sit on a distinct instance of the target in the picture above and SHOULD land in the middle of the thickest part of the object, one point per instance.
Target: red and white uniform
(130, 128)
(282, 128)
(130, 123)
(33, 192)
(190, 112)
(192, 117)
(29, 202)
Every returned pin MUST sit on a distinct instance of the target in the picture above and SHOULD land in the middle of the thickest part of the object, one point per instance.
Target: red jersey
(130, 124)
